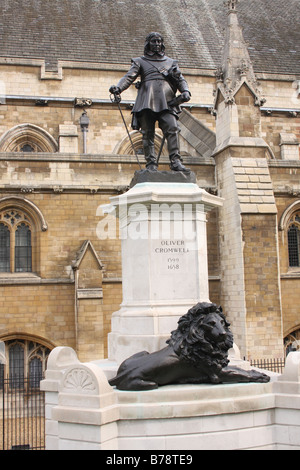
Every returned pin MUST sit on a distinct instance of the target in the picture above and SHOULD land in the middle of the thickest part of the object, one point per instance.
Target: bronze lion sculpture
(197, 352)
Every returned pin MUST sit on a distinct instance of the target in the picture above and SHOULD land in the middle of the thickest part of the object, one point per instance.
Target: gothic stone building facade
(60, 281)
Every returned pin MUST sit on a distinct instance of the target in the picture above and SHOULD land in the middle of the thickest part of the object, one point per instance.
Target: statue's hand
(186, 96)
(114, 90)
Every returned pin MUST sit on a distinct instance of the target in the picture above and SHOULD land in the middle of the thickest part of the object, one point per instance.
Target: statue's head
(154, 44)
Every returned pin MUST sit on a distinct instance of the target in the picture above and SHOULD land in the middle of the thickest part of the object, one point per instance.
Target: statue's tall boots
(149, 152)
(151, 163)
(169, 125)
(172, 137)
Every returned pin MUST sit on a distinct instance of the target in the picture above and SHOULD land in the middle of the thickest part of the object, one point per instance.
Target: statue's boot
(151, 160)
(173, 148)
(151, 165)
(177, 165)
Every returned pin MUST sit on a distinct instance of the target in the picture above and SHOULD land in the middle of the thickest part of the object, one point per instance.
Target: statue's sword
(161, 148)
(116, 98)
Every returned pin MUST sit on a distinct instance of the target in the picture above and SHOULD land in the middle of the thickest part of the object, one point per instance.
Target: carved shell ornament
(79, 381)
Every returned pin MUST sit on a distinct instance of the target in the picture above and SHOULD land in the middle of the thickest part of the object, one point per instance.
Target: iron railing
(22, 412)
(271, 364)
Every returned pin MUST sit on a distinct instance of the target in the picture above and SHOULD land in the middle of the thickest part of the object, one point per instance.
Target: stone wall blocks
(267, 209)
(262, 163)
(248, 162)
(256, 199)
(264, 178)
(87, 433)
(262, 171)
(249, 208)
(241, 178)
(254, 178)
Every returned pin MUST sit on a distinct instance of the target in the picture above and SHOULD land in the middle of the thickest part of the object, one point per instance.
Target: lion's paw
(259, 376)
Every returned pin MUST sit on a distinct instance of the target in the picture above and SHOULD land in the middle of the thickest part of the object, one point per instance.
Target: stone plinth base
(164, 260)
(147, 176)
(83, 412)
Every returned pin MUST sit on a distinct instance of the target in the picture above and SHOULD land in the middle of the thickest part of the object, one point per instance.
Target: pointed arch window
(25, 359)
(27, 137)
(294, 240)
(15, 242)
(292, 342)
(21, 226)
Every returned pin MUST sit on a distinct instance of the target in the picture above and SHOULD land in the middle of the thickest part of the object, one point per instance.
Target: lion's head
(203, 336)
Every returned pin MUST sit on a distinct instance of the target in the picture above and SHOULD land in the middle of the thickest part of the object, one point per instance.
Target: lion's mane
(190, 343)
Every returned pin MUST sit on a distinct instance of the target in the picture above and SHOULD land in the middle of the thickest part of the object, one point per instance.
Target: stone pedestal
(83, 412)
(164, 262)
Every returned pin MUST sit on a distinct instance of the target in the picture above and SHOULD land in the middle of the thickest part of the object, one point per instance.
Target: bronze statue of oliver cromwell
(160, 79)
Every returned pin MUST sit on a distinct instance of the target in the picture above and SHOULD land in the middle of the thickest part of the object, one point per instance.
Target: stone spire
(236, 68)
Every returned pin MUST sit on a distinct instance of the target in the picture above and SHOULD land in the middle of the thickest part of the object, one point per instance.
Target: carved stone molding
(82, 102)
(288, 212)
(79, 380)
(27, 133)
(26, 189)
(58, 189)
(17, 202)
(90, 293)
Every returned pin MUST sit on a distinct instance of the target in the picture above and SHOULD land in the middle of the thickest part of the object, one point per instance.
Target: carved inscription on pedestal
(172, 253)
